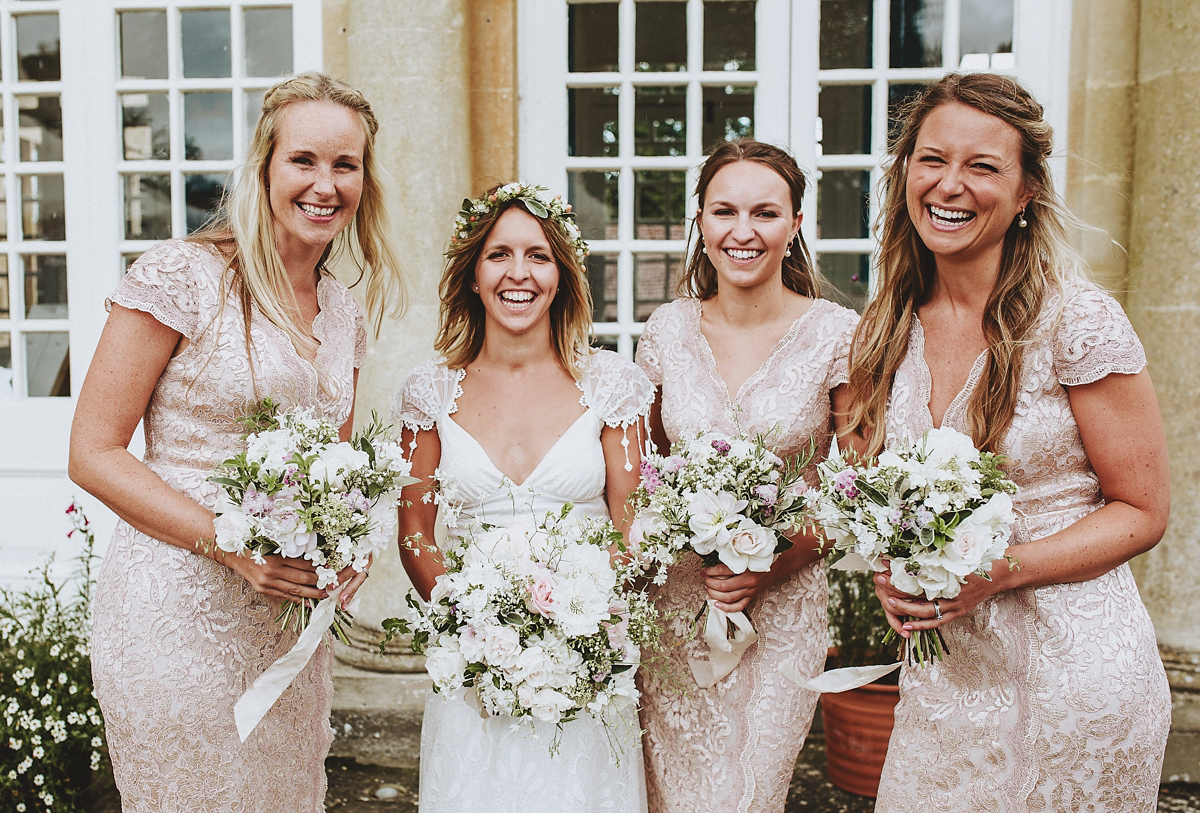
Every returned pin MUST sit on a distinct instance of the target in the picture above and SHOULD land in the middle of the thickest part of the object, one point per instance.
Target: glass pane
(728, 114)
(592, 37)
(268, 41)
(848, 273)
(846, 34)
(205, 39)
(659, 121)
(655, 277)
(592, 121)
(729, 35)
(43, 216)
(40, 128)
(6, 373)
(602, 278)
(606, 342)
(47, 364)
(899, 95)
(3, 212)
(4, 301)
(985, 27)
(916, 39)
(661, 40)
(147, 206)
(254, 103)
(593, 197)
(659, 197)
(203, 196)
(845, 113)
(45, 286)
(143, 44)
(37, 47)
(128, 260)
(145, 126)
(208, 125)
(842, 203)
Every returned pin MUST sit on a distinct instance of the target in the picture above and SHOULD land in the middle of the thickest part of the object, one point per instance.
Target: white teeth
(517, 296)
(318, 211)
(742, 254)
(946, 214)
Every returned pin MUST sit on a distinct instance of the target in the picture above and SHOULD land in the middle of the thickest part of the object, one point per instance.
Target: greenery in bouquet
(51, 732)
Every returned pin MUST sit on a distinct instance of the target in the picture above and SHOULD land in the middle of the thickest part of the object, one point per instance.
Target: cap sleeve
(647, 354)
(1094, 339)
(360, 337)
(616, 389)
(163, 283)
(839, 370)
(429, 392)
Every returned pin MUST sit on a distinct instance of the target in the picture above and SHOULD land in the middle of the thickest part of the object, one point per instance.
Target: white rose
(335, 462)
(931, 578)
(751, 547)
(548, 705)
(445, 664)
(501, 646)
(945, 444)
(969, 543)
(532, 666)
(233, 529)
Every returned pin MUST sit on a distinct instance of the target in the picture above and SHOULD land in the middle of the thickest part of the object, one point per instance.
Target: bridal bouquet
(534, 621)
(931, 512)
(727, 498)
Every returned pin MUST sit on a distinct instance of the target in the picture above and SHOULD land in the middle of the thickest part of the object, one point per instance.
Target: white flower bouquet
(534, 621)
(931, 513)
(727, 498)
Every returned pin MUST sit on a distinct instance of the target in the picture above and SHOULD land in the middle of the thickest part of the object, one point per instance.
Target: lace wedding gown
(1052, 698)
(177, 637)
(733, 746)
(472, 764)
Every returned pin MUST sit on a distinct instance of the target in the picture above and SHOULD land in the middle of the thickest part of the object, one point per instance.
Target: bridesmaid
(749, 349)
(1053, 696)
(198, 331)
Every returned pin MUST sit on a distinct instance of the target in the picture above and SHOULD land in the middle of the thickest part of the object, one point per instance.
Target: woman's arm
(619, 483)
(418, 513)
(134, 350)
(1122, 432)
(658, 435)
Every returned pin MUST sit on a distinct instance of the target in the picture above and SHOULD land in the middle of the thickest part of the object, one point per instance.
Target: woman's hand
(278, 577)
(353, 580)
(733, 592)
(907, 613)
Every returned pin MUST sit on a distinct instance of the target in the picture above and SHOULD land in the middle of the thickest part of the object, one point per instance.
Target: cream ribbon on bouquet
(724, 652)
(252, 706)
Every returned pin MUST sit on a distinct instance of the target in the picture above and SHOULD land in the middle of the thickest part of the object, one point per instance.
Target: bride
(520, 416)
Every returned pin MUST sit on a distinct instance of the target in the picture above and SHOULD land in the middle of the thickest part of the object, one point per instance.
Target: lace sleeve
(839, 371)
(647, 347)
(360, 336)
(429, 392)
(1094, 339)
(163, 284)
(616, 389)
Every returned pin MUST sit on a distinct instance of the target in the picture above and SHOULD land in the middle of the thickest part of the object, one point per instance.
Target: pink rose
(541, 593)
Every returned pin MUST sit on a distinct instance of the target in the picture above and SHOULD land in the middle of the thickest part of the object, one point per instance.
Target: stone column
(1164, 304)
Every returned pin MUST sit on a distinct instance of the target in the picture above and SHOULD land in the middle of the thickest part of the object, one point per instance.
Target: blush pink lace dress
(733, 747)
(1052, 698)
(178, 637)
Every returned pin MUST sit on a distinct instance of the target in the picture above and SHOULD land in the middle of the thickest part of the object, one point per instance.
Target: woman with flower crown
(750, 349)
(519, 416)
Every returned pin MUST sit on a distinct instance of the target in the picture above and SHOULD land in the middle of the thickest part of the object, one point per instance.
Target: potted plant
(858, 722)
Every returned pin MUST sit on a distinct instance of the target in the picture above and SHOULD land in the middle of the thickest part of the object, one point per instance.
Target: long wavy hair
(243, 229)
(1035, 262)
(461, 321)
(699, 277)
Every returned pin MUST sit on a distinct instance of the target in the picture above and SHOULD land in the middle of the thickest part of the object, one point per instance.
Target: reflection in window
(660, 120)
(254, 103)
(846, 34)
(37, 48)
(208, 126)
(845, 112)
(143, 44)
(6, 371)
(900, 94)
(661, 38)
(729, 41)
(45, 286)
(842, 203)
(655, 278)
(848, 273)
(602, 280)
(204, 36)
(916, 34)
(268, 41)
(3, 212)
(47, 364)
(728, 114)
(145, 126)
(592, 121)
(43, 215)
(147, 206)
(985, 30)
(40, 128)
(593, 197)
(658, 204)
(4, 302)
(203, 194)
(592, 35)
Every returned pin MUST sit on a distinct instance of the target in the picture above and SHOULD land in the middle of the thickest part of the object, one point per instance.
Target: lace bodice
(1052, 698)
(177, 637)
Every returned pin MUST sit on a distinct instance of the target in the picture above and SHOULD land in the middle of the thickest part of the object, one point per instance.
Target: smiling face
(747, 223)
(315, 176)
(965, 184)
(516, 275)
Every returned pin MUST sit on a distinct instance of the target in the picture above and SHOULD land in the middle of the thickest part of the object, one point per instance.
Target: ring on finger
(937, 609)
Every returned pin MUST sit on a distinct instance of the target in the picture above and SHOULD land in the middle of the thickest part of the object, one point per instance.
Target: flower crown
(535, 199)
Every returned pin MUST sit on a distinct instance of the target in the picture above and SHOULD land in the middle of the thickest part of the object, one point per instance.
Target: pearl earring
(1021, 221)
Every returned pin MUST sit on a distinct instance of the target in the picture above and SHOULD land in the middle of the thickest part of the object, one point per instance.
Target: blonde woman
(198, 331)
(1053, 695)
(518, 417)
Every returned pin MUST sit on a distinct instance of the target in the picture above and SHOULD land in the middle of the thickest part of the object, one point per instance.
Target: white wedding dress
(495, 764)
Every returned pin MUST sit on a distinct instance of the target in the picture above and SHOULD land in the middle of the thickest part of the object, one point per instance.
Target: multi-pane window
(34, 357)
(874, 56)
(190, 83)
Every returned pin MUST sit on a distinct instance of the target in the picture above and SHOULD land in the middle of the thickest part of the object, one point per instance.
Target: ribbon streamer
(252, 706)
(724, 652)
(839, 680)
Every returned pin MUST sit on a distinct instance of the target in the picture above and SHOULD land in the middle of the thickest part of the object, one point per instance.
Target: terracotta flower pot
(858, 724)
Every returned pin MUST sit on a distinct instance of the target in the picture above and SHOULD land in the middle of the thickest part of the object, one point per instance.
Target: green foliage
(857, 623)
(51, 732)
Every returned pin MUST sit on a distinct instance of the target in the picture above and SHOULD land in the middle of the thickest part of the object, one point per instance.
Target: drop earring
(1021, 221)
